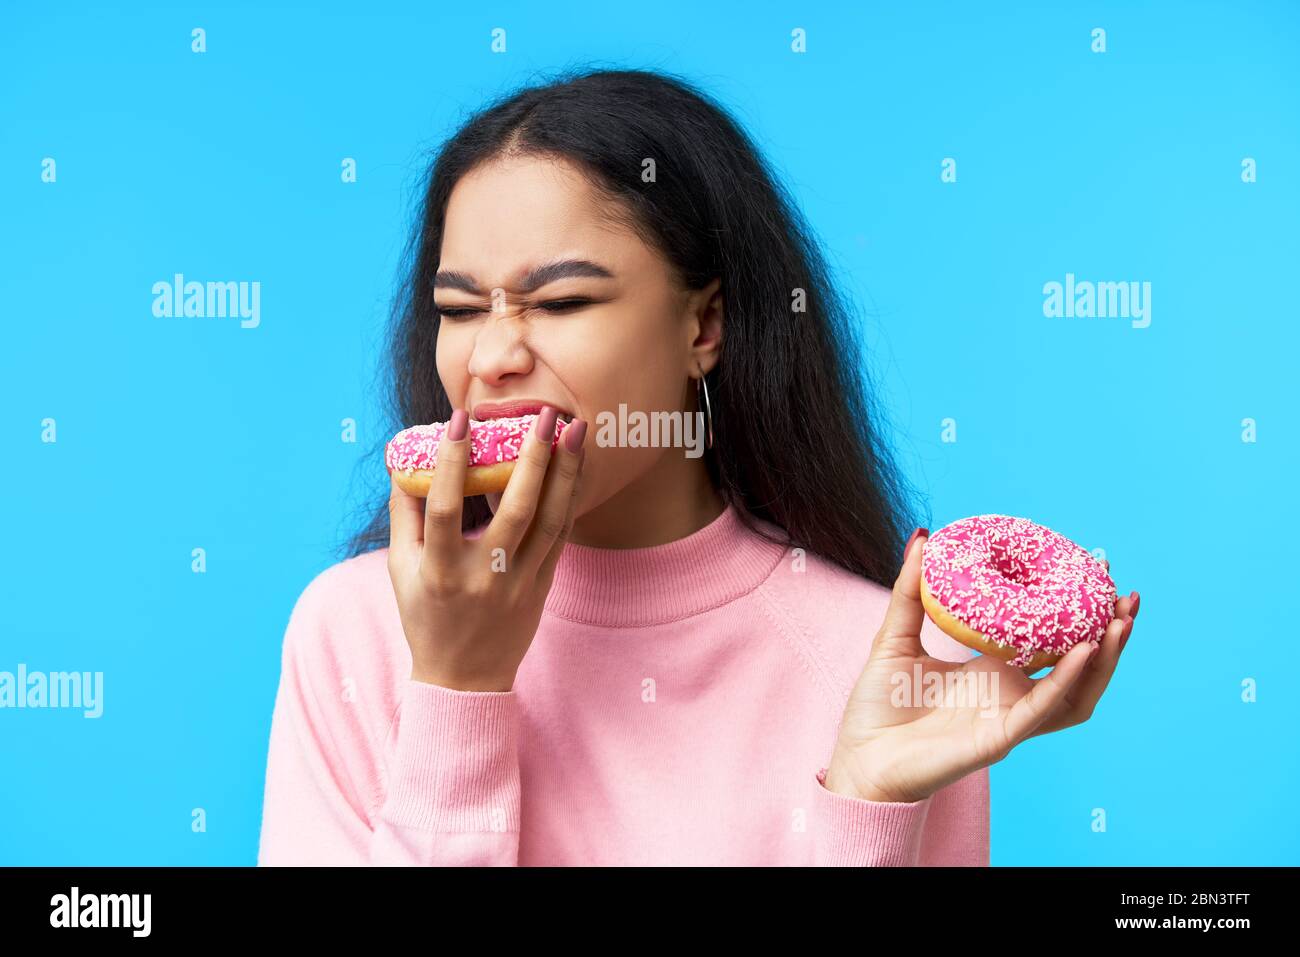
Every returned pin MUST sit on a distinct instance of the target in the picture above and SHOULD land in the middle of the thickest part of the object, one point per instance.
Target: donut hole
(1017, 568)
(1027, 574)
(1017, 573)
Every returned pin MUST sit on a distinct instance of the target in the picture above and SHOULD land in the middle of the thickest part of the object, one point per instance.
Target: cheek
(626, 360)
(629, 360)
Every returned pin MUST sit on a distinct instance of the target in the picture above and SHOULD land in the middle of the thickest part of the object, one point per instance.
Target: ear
(704, 328)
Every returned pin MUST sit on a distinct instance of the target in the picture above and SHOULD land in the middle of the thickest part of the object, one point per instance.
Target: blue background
(178, 433)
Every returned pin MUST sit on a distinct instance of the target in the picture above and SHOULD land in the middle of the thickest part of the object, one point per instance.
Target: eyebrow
(536, 278)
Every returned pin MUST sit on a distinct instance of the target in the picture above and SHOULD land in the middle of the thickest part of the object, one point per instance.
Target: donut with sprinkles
(1011, 588)
(494, 444)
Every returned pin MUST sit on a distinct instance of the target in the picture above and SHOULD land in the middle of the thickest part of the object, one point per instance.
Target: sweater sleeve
(449, 795)
(453, 796)
(948, 828)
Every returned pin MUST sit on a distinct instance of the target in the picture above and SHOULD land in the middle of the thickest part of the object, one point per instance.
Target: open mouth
(505, 410)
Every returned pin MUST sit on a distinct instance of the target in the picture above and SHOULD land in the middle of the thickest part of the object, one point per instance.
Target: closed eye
(563, 305)
(554, 305)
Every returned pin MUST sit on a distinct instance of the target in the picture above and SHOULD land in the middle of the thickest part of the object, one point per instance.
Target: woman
(636, 654)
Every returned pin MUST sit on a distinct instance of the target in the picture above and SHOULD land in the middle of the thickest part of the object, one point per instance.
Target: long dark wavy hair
(797, 436)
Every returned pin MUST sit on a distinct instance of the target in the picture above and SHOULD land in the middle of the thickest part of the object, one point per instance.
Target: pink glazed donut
(1007, 587)
(412, 454)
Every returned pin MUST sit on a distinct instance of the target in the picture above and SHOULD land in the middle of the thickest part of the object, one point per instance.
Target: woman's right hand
(470, 607)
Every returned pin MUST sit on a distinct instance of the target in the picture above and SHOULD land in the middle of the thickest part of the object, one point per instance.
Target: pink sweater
(678, 706)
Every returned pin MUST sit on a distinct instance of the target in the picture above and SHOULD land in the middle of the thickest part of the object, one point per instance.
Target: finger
(546, 570)
(1124, 607)
(1133, 598)
(901, 631)
(1047, 694)
(1128, 630)
(1122, 610)
(443, 505)
(405, 519)
(1083, 697)
(519, 501)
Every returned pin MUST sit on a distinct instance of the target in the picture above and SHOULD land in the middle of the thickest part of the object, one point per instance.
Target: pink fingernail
(545, 424)
(1136, 601)
(458, 426)
(908, 547)
(574, 433)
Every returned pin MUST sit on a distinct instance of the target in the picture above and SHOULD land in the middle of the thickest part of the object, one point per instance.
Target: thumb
(901, 631)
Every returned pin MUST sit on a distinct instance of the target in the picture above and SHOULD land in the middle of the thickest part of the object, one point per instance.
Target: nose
(500, 349)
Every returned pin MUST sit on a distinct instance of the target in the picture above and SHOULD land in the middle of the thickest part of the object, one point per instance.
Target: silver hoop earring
(702, 396)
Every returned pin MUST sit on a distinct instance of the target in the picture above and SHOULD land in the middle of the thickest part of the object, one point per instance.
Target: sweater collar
(635, 587)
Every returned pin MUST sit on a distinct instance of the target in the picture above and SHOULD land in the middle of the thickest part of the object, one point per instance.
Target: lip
(515, 407)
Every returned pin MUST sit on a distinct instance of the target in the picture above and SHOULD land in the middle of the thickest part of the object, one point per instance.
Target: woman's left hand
(906, 751)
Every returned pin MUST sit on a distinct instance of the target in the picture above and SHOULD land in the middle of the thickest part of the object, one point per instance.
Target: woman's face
(632, 337)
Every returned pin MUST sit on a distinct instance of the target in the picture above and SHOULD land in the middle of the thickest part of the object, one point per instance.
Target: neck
(627, 588)
(674, 499)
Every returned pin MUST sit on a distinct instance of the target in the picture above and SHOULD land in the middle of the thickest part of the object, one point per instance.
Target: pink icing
(1018, 584)
(490, 441)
